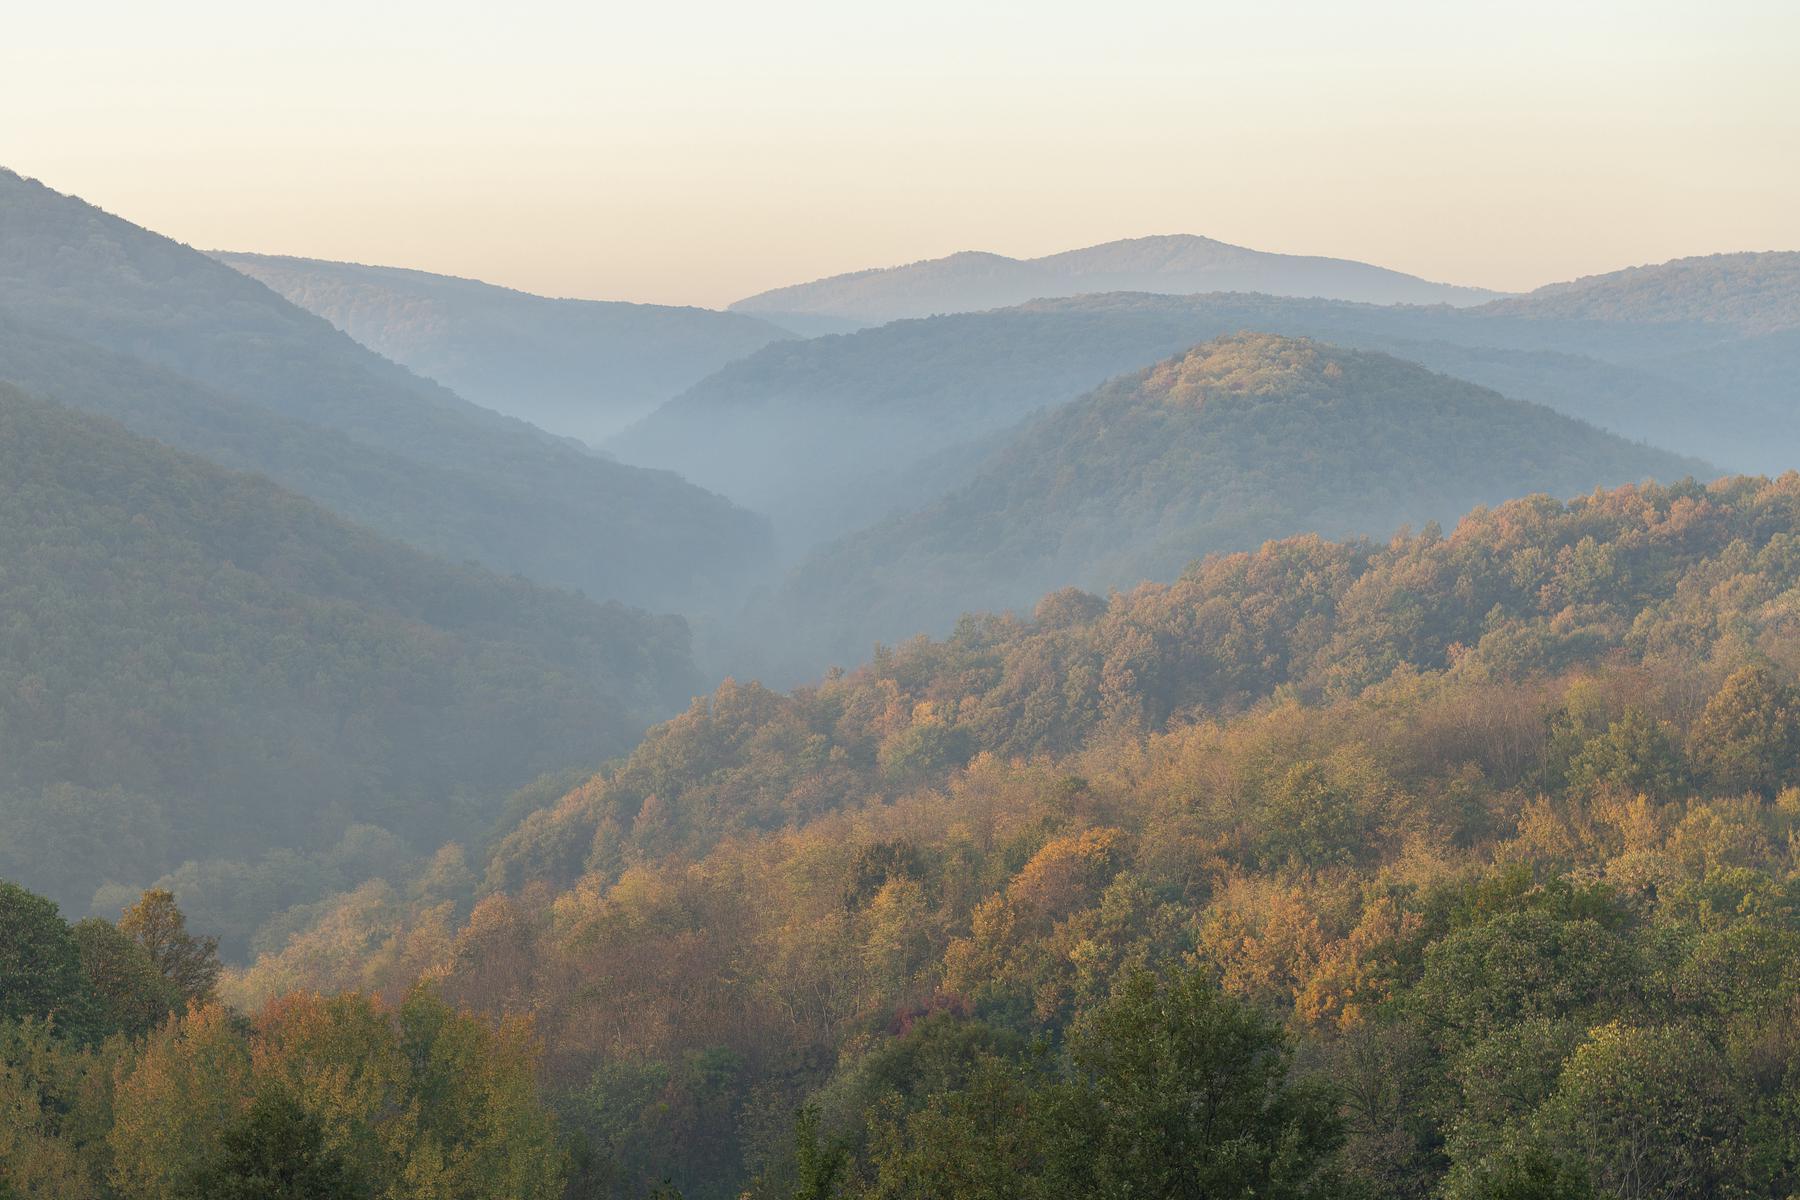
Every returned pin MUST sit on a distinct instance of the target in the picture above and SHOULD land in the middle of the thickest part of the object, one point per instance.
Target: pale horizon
(702, 157)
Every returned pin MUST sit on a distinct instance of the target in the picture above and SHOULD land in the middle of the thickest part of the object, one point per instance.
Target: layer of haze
(699, 152)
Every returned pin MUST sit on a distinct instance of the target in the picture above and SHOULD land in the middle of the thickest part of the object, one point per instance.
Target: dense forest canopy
(197, 667)
(122, 1075)
(1175, 265)
(467, 482)
(1235, 441)
(578, 367)
(1460, 865)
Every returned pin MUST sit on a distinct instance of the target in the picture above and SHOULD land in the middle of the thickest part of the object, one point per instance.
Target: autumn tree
(190, 963)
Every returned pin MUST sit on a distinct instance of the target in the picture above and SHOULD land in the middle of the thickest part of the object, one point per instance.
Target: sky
(698, 152)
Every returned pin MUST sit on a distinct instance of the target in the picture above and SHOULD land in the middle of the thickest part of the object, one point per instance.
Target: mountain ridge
(583, 368)
(504, 492)
(1167, 263)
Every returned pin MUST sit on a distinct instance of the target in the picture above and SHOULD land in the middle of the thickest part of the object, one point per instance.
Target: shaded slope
(513, 496)
(194, 662)
(583, 368)
(1239, 440)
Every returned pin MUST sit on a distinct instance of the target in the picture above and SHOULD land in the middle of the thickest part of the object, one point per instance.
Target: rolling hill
(583, 368)
(1749, 293)
(826, 435)
(1236, 441)
(196, 664)
(972, 281)
(335, 421)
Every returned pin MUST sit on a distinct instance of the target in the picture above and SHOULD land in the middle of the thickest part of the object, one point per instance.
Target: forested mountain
(1458, 866)
(333, 420)
(583, 368)
(1176, 264)
(824, 434)
(1238, 440)
(1749, 293)
(198, 666)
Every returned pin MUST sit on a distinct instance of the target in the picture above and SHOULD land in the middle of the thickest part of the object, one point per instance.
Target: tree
(1308, 819)
(992, 1139)
(275, 1151)
(1637, 753)
(188, 1082)
(190, 963)
(818, 1164)
(1525, 1172)
(1650, 1111)
(130, 994)
(1748, 739)
(40, 964)
(1179, 1090)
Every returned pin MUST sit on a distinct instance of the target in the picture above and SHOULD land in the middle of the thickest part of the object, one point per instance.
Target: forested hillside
(199, 668)
(1461, 865)
(108, 298)
(1749, 293)
(821, 434)
(578, 367)
(1177, 264)
(1236, 441)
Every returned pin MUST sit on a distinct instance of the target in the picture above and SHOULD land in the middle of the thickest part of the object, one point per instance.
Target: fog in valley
(1085, 712)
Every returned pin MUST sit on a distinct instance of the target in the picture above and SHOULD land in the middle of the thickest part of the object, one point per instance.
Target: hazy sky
(698, 152)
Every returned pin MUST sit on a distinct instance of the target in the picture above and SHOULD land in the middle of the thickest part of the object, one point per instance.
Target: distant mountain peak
(1170, 264)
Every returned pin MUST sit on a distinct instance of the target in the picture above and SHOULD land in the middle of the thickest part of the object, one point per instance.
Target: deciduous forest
(794, 642)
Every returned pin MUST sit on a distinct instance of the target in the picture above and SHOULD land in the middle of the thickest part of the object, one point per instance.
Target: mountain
(1484, 840)
(583, 368)
(332, 420)
(1236, 441)
(1751, 294)
(825, 434)
(1178, 264)
(196, 664)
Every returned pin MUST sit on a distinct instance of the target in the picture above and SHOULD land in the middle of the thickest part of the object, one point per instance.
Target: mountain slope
(1494, 811)
(823, 434)
(506, 494)
(1749, 293)
(1177, 264)
(583, 368)
(195, 663)
(1241, 439)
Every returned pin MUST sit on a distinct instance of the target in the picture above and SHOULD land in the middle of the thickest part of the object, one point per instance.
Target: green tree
(275, 1151)
(1179, 1090)
(1637, 753)
(1748, 739)
(818, 1162)
(130, 994)
(1651, 1112)
(40, 964)
(1308, 819)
